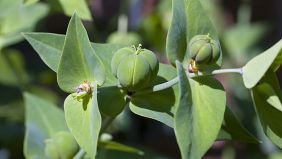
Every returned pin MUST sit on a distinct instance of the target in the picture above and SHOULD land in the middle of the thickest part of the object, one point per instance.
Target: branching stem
(175, 80)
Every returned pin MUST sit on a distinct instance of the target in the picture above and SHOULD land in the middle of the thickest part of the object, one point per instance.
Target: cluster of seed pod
(136, 68)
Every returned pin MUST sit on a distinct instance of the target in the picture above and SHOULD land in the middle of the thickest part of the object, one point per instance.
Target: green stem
(175, 80)
(79, 154)
(107, 122)
(122, 24)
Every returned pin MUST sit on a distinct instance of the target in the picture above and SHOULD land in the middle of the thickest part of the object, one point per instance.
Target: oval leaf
(256, 68)
(269, 109)
(42, 120)
(232, 129)
(84, 121)
(198, 115)
(176, 42)
(79, 61)
(157, 105)
(111, 101)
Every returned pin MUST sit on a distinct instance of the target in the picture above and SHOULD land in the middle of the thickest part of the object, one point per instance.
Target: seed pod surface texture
(135, 68)
(204, 50)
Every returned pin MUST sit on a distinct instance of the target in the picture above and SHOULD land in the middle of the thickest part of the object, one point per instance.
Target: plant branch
(175, 80)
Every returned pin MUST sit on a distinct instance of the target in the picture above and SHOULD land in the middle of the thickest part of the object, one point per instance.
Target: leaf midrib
(84, 62)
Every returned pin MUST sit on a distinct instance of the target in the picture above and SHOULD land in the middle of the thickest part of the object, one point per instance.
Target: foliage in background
(154, 105)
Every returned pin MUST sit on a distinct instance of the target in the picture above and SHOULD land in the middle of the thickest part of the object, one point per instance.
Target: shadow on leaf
(157, 101)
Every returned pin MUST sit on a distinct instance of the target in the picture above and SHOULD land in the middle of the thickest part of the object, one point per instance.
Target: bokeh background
(246, 28)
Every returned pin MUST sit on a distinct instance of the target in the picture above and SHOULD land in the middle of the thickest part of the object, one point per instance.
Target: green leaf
(127, 39)
(269, 109)
(232, 129)
(157, 105)
(49, 47)
(176, 42)
(84, 121)
(47, 94)
(111, 100)
(6, 6)
(43, 120)
(111, 145)
(250, 34)
(18, 18)
(271, 78)
(13, 112)
(189, 18)
(113, 154)
(163, 117)
(79, 61)
(78, 6)
(29, 2)
(256, 68)
(12, 68)
(199, 114)
(106, 52)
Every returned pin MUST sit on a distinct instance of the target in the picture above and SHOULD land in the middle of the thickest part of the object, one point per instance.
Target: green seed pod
(216, 51)
(204, 50)
(120, 54)
(51, 150)
(135, 68)
(61, 146)
(133, 72)
(152, 60)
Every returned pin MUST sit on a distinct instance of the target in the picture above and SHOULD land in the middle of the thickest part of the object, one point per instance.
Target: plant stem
(107, 122)
(122, 24)
(175, 80)
(79, 154)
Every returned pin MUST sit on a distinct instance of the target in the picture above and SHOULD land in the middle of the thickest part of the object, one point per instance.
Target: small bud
(192, 67)
(83, 89)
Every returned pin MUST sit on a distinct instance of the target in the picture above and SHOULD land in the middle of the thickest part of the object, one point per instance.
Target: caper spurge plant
(183, 95)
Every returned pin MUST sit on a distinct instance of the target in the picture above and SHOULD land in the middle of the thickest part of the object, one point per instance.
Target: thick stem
(175, 80)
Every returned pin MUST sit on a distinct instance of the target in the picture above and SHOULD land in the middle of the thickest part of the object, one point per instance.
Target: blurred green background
(246, 28)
